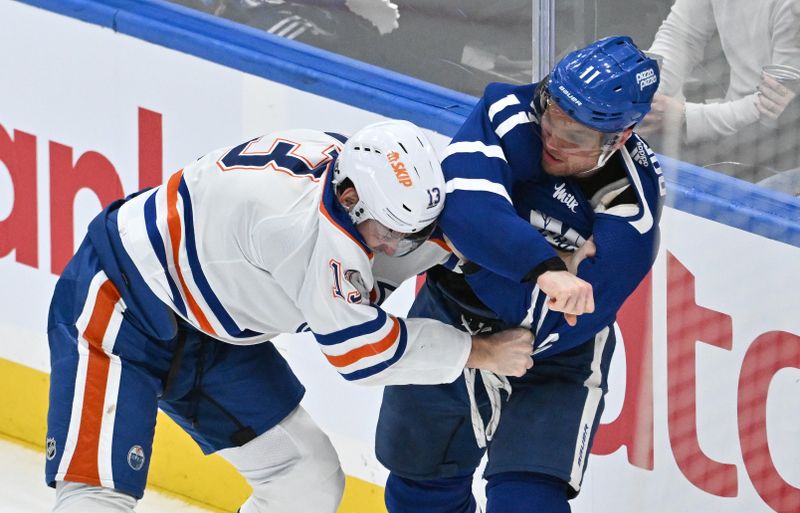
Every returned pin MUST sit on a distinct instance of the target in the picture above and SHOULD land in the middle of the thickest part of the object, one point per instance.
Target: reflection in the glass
(748, 127)
(718, 106)
(459, 44)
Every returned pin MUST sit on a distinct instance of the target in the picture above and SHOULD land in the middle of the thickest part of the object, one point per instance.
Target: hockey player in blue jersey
(172, 298)
(542, 180)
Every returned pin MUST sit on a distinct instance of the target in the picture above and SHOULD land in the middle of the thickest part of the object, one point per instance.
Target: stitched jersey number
(306, 160)
(338, 280)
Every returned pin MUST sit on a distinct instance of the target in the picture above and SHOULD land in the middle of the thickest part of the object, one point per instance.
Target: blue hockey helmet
(607, 86)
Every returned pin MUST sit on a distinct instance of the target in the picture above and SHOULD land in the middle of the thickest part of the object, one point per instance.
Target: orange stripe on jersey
(174, 226)
(330, 218)
(358, 353)
(334, 223)
(83, 467)
(442, 244)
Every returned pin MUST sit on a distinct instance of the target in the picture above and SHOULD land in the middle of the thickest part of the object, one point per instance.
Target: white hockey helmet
(397, 176)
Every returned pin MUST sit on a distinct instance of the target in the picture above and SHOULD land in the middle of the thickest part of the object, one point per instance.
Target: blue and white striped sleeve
(624, 257)
(479, 217)
(627, 239)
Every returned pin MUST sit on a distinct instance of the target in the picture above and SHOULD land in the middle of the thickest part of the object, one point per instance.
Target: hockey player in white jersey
(172, 298)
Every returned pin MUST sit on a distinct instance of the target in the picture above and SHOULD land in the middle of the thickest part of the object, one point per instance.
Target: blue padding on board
(731, 201)
(691, 189)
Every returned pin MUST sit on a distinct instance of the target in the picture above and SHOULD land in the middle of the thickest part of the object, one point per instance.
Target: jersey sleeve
(623, 259)
(627, 238)
(360, 340)
(479, 217)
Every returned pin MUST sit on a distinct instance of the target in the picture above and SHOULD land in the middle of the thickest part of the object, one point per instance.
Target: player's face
(379, 238)
(390, 242)
(568, 147)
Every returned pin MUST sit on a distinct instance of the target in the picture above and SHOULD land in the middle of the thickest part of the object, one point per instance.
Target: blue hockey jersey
(505, 214)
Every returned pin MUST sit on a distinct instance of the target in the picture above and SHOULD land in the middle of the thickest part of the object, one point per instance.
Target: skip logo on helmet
(399, 169)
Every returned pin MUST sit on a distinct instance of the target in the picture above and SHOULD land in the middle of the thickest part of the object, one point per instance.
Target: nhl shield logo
(136, 457)
(51, 448)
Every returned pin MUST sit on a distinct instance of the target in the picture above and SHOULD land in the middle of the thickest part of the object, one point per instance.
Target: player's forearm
(708, 121)
(434, 353)
(491, 235)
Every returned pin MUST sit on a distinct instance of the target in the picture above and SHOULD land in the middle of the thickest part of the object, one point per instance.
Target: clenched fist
(507, 353)
(567, 293)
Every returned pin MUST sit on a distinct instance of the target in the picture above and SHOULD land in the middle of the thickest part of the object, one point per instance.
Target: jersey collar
(333, 211)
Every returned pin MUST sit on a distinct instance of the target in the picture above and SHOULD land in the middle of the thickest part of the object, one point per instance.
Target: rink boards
(708, 422)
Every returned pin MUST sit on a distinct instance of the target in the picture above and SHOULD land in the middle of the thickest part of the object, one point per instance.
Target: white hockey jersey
(250, 242)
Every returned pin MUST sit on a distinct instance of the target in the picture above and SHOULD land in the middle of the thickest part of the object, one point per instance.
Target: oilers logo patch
(136, 457)
(51, 448)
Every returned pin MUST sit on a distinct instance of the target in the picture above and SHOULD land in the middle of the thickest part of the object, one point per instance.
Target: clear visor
(404, 243)
(570, 137)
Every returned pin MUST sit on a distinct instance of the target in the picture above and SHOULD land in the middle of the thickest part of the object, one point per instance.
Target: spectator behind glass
(458, 44)
(756, 124)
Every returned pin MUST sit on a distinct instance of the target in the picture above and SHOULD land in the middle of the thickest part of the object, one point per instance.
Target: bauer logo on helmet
(570, 96)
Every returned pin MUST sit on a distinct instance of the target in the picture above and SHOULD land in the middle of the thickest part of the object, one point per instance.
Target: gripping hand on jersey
(507, 353)
(566, 292)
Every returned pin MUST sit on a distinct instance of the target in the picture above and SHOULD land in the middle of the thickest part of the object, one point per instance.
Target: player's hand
(507, 353)
(567, 293)
(773, 97)
(666, 113)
